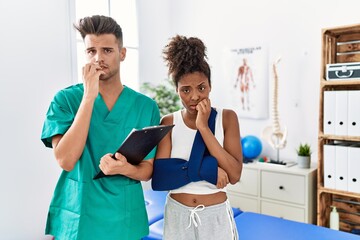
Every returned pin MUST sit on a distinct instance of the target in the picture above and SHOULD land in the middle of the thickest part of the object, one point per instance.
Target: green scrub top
(108, 208)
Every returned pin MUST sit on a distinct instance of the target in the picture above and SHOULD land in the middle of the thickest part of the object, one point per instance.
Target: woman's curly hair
(185, 55)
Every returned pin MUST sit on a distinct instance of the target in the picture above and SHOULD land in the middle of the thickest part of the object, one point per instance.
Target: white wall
(34, 63)
(291, 29)
(154, 18)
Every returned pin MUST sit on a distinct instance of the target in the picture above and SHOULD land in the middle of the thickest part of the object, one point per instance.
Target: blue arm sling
(172, 173)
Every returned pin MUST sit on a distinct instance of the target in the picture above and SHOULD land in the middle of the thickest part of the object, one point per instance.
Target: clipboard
(139, 143)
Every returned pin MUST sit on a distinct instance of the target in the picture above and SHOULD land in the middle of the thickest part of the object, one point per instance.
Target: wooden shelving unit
(347, 203)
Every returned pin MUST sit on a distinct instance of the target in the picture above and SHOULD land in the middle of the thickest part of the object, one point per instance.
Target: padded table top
(255, 226)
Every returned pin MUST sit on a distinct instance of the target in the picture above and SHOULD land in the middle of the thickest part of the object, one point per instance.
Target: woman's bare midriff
(193, 200)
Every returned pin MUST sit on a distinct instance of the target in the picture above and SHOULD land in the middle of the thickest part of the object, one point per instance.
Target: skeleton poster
(247, 73)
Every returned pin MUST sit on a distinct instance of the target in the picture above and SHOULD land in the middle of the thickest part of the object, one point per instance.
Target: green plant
(164, 95)
(304, 150)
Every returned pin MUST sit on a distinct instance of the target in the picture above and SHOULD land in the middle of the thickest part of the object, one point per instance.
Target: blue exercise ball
(251, 147)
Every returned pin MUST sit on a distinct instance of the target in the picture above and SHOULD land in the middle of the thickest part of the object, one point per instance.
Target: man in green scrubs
(84, 125)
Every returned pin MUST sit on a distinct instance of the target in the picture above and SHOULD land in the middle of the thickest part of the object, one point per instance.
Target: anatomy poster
(246, 71)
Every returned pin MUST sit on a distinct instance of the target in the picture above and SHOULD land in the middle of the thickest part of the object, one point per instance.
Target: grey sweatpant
(200, 223)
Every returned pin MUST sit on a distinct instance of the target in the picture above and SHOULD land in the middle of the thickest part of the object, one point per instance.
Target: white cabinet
(286, 192)
(244, 194)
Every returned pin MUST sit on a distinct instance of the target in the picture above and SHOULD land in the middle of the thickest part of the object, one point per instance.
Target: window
(124, 12)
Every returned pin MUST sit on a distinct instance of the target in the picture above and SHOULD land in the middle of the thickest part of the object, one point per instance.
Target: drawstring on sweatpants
(194, 217)
(234, 234)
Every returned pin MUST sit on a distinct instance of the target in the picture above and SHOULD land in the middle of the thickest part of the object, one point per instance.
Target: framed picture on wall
(246, 71)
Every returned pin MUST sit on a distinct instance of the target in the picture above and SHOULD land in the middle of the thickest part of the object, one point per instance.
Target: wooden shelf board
(325, 83)
(340, 138)
(337, 192)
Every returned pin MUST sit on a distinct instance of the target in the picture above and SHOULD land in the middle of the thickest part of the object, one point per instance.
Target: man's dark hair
(99, 25)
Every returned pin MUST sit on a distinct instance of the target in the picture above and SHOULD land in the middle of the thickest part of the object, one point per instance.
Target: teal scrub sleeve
(155, 120)
(58, 119)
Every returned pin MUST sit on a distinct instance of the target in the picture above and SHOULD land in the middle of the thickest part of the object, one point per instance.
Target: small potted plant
(304, 155)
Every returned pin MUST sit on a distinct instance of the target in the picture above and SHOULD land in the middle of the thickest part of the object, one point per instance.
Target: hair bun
(185, 55)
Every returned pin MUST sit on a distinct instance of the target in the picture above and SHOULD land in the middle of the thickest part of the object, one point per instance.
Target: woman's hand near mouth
(203, 112)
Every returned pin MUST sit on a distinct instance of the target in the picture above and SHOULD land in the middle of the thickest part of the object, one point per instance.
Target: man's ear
(122, 53)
